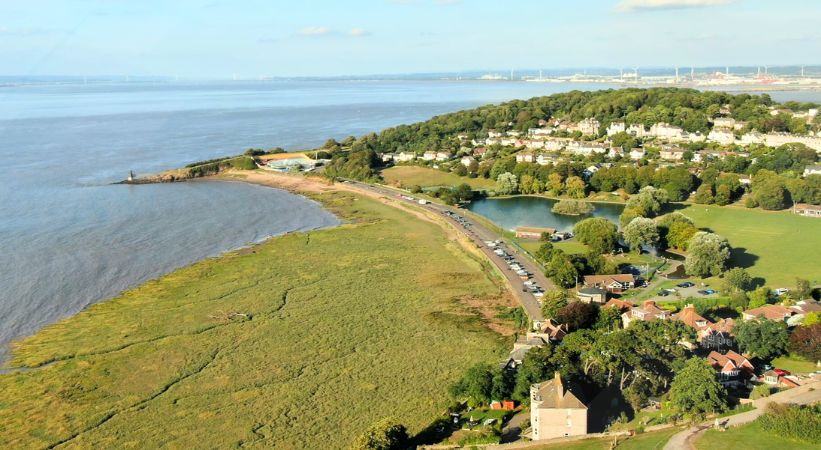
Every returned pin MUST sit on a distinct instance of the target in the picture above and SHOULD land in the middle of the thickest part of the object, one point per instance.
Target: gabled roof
(620, 304)
(608, 279)
(771, 312)
(690, 317)
(732, 358)
(555, 394)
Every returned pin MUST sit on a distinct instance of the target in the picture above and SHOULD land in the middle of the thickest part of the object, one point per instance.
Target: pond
(513, 212)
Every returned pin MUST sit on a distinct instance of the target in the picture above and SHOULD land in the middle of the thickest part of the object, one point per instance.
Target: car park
(685, 285)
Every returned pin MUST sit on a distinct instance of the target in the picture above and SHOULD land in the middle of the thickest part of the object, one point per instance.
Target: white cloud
(315, 31)
(359, 32)
(654, 5)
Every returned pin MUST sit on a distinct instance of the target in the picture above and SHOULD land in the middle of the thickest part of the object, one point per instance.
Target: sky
(252, 38)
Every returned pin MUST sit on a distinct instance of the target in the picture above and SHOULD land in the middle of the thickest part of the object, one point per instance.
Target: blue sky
(216, 38)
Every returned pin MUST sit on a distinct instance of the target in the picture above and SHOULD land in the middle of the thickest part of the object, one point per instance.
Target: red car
(781, 372)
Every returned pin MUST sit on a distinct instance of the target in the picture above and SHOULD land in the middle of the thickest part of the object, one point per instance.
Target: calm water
(68, 238)
(513, 212)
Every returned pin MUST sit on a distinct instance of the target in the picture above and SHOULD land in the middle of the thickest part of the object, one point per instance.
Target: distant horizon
(650, 70)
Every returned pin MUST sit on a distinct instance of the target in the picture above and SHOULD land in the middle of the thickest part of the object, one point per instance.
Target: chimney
(557, 380)
(648, 303)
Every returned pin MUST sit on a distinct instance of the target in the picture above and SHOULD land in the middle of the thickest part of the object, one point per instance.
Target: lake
(513, 212)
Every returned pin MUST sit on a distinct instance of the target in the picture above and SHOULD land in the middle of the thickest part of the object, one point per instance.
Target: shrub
(572, 208)
(792, 421)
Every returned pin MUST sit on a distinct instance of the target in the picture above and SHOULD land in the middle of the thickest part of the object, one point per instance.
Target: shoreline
(7, 348)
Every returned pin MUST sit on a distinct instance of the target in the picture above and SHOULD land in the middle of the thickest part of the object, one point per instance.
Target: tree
(545, 253)
(476, 384)
(507, 184)
(695, 391)
(738, 279)
(598, 233)
(723, 195)
(759, 297)
(609, 319)
(553, 302)
(561, 270)
(555, 184)
(806, 341)
(641, 232)
(704, 194)
(627, 216)
(384, 435)
(763, 338)
(577, 315)
(707, 255)
(680, 234)
(803, 289)
(575, 187)
(649, 201)
(460, 169)
(769, 190)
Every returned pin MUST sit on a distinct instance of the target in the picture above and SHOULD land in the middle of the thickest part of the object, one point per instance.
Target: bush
(415, 189)
(572, 208)
(761, 391)
(792, 421)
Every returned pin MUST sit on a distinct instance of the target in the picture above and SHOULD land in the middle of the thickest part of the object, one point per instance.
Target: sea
(70, 237)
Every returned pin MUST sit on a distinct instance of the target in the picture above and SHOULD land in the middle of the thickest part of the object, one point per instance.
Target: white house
(524, 157)
(637, 154)
(589, 127)
(812, 170)
(616, 127)
(405, 156)
(466, 160)
(722, 137)
(443, 156)
(429, 156)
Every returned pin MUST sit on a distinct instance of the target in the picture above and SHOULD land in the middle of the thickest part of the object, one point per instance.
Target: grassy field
(776, 246)
(795, 364)
(425, 177)
(645, 441)
(750, 437)
(301, 342)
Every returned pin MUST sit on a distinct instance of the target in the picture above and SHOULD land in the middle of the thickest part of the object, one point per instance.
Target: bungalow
(647, 311)
(542, 131)
(588, 148)
(520, 348)
(534, 145)
(733, 369)
(557, 409)
(479, 152)
(387, 157)
(544, 159)
(805, 209)
(778, 377)
(525, 157)
(801, 309)
(467, 160)
(621, 305)
(429, 156)
(777, 313)
(592, 295)
(285, 161)
(533, 232)
(443, 156)
(590, 170)
(612, 283)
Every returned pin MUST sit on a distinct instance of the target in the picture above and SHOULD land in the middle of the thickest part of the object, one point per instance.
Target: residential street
(803, 395)
(479, 234)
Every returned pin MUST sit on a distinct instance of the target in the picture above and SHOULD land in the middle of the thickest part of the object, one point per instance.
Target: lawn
(425, 177)
(775, 246)
(795, 364)
(750, 437)
(644, 441)
(301, 342)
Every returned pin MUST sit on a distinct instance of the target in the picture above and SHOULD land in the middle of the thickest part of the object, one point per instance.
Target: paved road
(806, 394)
(479, 234)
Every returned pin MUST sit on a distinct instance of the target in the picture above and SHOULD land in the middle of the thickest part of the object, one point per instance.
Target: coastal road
(478, 234)
(805, 394)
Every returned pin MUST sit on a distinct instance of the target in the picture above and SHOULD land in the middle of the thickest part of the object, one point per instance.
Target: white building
(429, 156)
(616, 127)
(666, 131)
(405, 156)
(443, 156)
(637, 154)
(779, 139)
(723, 137)
(466, 160)
(589, 127)
(812, 170)
(525, 157)
(723, 122)
(543, 159)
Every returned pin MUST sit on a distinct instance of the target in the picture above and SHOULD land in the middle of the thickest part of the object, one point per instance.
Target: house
(589, 127)
(443, 156)
(467, 160)
(753, 137)
(779, 139)
(557, 409)
(733, 369)
(533, 232)
(615, 152)
(542, 131)
(666, 131)
(479, 152)
(621, 305)
(543, 159)
(520, 348)
(592, 295)
(590, 170)
(723, 137)
(615, 128)
(801, 309)
(671, 153)
(386, 157)
(647, 311)
(777, 313)
(637, 154)
(723, 122)
(812, 170)
(805, 209)
(429, 156)
(636, 130)
(525, 157)
(778, 377)
(718, 335)
(405, 156)
(612, 283)
(588, 148)
(494, 134)
(549, 331)
(505, 405)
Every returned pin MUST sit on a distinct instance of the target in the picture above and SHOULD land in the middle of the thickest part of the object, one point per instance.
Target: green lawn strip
(750, 437)
(428, 177)
(795, 364)
(643, 441)
(301, 342)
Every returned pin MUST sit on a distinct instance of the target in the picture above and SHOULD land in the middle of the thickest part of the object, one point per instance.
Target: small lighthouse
(130, 176)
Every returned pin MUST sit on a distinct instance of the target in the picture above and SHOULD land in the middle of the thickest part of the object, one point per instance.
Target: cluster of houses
(560, 409)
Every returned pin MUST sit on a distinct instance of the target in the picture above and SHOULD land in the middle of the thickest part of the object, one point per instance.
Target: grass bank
(301, 342)
(750, 437)
(645, 441)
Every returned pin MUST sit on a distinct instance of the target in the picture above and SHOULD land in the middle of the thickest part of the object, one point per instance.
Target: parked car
(686, 284)
(707, 292)
(781, 291)
(663, 293)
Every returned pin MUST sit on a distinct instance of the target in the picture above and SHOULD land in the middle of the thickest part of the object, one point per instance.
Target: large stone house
(647, 311)
(709, 335)
(733, 369)
(557, 410)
